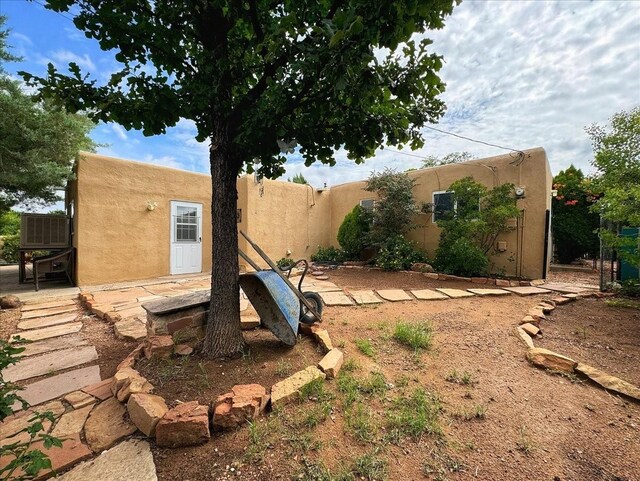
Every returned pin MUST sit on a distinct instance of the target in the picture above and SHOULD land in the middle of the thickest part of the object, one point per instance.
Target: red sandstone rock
(244, 403)
(158, 346)
(185, 425)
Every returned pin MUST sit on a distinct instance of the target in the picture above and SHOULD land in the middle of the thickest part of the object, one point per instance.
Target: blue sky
(519, 73)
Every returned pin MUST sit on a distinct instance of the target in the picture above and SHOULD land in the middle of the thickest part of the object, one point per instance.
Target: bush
(397, 254)
(630, 288)
(461, 257)
(285, 263)
(9, 249)
(353, 235)
(9, 223)
(328, 254)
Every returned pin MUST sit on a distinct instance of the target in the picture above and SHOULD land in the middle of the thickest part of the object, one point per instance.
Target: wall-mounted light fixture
(151, 205)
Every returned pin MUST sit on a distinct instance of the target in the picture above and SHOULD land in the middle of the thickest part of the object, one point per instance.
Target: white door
(186, 237)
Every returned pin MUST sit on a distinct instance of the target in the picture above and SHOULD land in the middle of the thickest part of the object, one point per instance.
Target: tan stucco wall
(533, 173)
(284, 216)
(116, 237)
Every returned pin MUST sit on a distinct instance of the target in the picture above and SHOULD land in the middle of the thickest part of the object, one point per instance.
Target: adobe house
(133, 220)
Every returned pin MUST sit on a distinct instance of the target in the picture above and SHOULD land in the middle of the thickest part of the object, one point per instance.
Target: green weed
(416, 336)
(414, 415)
(365, 347)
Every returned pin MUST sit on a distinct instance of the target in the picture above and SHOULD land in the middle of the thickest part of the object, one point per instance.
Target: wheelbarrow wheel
(316, 301)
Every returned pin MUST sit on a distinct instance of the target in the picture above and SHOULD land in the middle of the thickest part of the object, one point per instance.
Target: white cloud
(65, 57)
(165, 161)
(120, 131)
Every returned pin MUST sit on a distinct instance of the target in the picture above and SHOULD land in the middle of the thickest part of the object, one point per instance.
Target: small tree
(573, 223)
(472, 228)
(452, 158)
(298, 179)
(395, 207)
(38, 142)
(617, 162)
(320, 74)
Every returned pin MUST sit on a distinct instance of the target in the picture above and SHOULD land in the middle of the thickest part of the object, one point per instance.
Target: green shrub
(461, 257)
(630, 288)
(398, 254)
(353, 234)
(328, 254)
(285, 263)
(9, 249)
(9, 223)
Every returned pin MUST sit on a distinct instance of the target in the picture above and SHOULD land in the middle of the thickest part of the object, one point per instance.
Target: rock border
(529, 329)
(190, 423)
(493, 281)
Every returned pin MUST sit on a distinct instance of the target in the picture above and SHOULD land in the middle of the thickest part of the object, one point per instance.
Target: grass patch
(316, 390)
(284, 368)
(365, 347)
(360, 424)
(465, 378)
(370, 466)
(478, 411)
(353, 389)
(631, 304)
(416, 336)
(259, 439)
(316, 414)
(350, 365)
(414, 415)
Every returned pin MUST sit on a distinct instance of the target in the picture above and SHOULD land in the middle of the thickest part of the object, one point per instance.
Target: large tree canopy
(38, 142)
(617, 162)
(254, 75)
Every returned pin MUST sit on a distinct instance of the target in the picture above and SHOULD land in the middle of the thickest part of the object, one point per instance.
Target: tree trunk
(224, 337)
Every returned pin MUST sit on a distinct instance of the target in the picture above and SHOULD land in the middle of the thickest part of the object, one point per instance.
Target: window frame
(433, 199)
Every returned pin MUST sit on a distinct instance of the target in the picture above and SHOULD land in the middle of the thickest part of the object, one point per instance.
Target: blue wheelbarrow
(281, 305)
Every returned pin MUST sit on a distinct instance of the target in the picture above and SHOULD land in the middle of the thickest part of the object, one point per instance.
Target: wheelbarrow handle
(275, 268)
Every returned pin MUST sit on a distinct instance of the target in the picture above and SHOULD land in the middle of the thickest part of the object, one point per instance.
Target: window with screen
(368, 204)
(186, 224)
(443, 205)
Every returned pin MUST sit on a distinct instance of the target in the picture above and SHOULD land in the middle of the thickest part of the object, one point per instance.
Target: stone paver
(19, 421)
(489, 292)
(107, 425)
(53, 344)
(526, 291)
(335, 299)
(72, 422)
(130, 460)
(564, 288)
(47, 321)
(455, 293)
(48, 312)
(48, 305)
(79, 399)
(428, 295)
(130, 329)
(58, 385)
(393, 295)
(365, 297)
(51, 362)
(72, 451)
(48, 332)
(101, 389)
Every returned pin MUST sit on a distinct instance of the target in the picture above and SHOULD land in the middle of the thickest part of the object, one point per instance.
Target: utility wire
(519, 154)
(70, 18)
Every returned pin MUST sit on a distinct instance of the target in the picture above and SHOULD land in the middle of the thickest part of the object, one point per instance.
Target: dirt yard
(467, 407)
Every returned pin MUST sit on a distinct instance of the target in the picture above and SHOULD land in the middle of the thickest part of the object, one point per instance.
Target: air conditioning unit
(44, 231)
